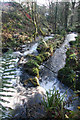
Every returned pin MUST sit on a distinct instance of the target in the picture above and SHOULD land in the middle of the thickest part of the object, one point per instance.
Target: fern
(7, 74)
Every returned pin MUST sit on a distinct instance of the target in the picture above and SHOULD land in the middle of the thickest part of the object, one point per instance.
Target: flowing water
(55, 63)
(48, 77)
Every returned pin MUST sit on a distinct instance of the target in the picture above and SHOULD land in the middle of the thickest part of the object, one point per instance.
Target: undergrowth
(55, 106)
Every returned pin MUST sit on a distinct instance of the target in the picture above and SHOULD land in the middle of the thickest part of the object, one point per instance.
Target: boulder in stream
(42, 47)
(29, 104)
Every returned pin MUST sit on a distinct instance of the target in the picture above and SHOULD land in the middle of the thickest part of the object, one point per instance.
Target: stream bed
(55, 63)
(48, 77)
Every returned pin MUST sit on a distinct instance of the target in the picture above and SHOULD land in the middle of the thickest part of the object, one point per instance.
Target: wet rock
(20, 113)
(17, 54)
(35, 108)
(29, 104)
(36, 112)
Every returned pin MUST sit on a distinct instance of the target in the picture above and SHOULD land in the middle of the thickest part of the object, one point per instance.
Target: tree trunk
(79, 12)
(56, 15)
(66, 14)
(73, 6)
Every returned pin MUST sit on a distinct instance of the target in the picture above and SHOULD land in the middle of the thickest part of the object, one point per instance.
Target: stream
(55, 63)
(48, 78)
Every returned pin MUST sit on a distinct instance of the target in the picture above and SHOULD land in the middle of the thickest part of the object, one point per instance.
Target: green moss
(69, 75)
(64, 76)
(31, 64)
(32, 67)
(45, 50)
(46, 55)
(42, 47)
(35, 72)
(38, 59)
(42, 57)
(34, 81)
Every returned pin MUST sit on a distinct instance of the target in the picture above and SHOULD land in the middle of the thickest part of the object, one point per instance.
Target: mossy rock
(38, 59)
(35, 72)
(46, 55)
(64, 76)
(72, 62)
(50, 50)
(42, 57)
(34, 81)
(30, 56)
(42, 47)
(69, 77)
(31, 64)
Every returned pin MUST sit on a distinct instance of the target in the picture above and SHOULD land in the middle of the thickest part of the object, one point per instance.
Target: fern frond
(7, 73)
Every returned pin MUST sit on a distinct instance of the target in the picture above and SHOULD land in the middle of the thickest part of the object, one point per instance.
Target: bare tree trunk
(33, 11)
(34, 18)
(56, 15)
(79, 12)
(73, 6)
(66, 14)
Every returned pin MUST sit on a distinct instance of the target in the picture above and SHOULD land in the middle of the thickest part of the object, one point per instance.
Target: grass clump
(54, 105)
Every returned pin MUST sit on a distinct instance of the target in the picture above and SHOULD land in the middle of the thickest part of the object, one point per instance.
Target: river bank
(70, 74)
